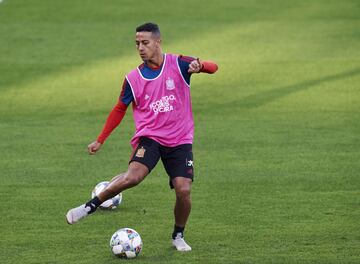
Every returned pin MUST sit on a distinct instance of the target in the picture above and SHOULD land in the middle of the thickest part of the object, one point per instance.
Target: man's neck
(156, 61)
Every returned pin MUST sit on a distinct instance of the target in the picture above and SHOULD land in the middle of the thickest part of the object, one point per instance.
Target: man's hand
(94, 147)
(195, 66)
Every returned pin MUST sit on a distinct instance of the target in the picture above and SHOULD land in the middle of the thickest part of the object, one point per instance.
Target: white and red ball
(126, 243)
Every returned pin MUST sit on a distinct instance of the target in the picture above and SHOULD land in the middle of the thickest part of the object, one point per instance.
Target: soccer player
(159, 91)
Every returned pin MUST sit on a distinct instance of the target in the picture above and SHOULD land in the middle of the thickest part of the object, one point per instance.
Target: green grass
(277, 144)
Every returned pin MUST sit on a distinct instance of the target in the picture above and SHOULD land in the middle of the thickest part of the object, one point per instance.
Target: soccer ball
(126, 243)
(108, 204)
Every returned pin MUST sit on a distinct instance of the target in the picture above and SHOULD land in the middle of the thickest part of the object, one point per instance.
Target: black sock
(94, 203)
(178, 229)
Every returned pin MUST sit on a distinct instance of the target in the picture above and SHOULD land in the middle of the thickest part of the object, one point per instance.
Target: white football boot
(180, 244)
(75, 214)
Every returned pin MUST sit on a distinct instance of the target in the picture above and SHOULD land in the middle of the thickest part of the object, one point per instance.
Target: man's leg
(182, 210)
(134, 175)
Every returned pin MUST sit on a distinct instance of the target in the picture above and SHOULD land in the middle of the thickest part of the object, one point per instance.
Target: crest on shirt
(170, 84)
(140, 152)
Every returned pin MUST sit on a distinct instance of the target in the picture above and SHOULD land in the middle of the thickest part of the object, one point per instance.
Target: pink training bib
(162, 106)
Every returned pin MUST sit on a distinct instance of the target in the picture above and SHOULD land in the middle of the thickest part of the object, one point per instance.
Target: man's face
(147, 45)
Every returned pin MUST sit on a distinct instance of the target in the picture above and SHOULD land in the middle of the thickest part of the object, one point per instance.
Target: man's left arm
(197, 66)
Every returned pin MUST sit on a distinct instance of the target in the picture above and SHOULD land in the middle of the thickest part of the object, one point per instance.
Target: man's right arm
(114, 118)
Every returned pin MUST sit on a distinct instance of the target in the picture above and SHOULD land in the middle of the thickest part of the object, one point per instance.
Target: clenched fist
(195, 66)
(94, 147)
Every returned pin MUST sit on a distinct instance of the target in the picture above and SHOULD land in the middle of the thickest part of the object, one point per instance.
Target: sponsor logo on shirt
(163, 105)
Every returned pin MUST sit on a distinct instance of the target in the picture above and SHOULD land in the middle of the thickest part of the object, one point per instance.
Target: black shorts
(177, 161)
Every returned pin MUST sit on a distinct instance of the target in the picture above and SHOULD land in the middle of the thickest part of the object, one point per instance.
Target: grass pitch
(277, 130)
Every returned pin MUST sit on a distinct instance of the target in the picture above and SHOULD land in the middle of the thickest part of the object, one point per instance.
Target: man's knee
(182, 188)
(136, 173)
(132, 179)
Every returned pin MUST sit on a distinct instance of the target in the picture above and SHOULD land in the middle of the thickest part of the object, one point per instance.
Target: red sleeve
(209, 67)
(113, 120)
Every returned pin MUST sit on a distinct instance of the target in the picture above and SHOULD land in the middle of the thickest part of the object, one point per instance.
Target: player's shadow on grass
(263, 98)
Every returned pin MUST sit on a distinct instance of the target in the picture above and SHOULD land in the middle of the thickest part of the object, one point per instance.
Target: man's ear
(158, 41)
